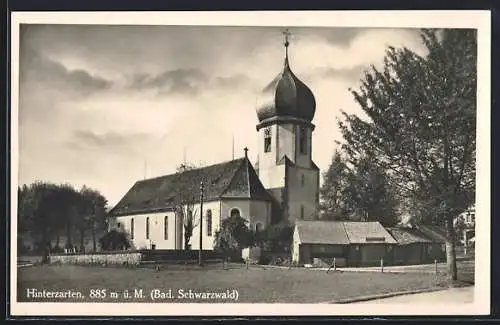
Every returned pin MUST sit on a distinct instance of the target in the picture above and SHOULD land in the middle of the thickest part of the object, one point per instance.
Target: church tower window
(147, 228)
(165, 228)
(302, 140)
(267, 140)
(302, 212)
(302, 180)
(209, 223)
(132, 228)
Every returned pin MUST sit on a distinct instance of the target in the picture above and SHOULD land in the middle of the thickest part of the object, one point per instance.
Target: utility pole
(200, 257)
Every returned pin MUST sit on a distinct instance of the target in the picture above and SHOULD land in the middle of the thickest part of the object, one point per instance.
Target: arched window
(302, 180)
(267, 140)
(209, 222)
(132, 228)
(147, 228)
(303, 140)
(302, 212)
(235, 212)
(165, 228)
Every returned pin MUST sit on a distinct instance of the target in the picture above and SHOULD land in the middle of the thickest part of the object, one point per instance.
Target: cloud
(35, 68)
(108, 142)
(178, 81)
(349, 75)
(186, 82)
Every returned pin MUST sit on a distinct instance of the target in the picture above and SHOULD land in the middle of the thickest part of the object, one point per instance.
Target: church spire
(287, 43)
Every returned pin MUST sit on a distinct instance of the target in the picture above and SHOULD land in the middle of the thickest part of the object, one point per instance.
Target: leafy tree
(421, 126)
(357, 190)
(45, 210)
(333, 189)
(114, 240)
(368, 195)
(91, 214)
(37, 214)
(233, 235)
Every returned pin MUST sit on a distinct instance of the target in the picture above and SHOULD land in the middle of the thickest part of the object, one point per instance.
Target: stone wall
(122, 258)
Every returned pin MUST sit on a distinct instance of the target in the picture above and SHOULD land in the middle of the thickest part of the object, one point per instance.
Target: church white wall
(306, 196)
(208, 241)
(272, 176)
(156, 229)
(253, 211)
(286, 141)
(242, 204)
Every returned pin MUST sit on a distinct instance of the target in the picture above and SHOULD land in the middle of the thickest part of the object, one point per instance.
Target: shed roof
(342, 232)
(405, 236)
(321, 232)
(361, 232)
(232, 179)
(435, 233)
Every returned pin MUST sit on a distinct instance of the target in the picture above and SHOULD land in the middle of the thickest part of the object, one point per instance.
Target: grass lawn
(254, 285)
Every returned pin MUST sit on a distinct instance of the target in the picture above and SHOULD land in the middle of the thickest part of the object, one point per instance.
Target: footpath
(463, 295)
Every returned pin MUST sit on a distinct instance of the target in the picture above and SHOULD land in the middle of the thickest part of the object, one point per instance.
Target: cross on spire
(246, 152)
(287, 43)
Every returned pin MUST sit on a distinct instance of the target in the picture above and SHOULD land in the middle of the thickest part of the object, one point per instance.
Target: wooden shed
(412, 247)
(437, 235)
(369, 243)
(320, 240)
(350, 243)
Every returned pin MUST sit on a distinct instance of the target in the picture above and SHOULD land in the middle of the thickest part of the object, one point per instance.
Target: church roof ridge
(189, 170)
(230, 179)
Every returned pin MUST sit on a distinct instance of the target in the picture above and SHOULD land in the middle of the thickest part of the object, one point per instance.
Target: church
(283, 183)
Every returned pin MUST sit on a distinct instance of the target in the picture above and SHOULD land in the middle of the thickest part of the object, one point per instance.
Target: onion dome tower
(286, 98)
(285, 111)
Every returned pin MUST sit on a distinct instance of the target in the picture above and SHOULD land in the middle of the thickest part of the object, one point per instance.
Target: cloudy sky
(97, 102)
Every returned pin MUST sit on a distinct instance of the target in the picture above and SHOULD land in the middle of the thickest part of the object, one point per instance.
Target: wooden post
(382, 265)
(436, 266)
(247, 263)
(200, 258)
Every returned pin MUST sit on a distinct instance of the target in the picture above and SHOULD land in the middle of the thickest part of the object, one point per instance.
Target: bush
(114, 240)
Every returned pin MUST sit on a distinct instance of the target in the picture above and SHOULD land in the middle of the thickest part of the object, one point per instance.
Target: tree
(92, 214)
(233, 235)
(357, 190)
(46, 209)
(420, 126)
(333, 189)
(186, 212)
(36, 210)
(368, 195)
(114, 240)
